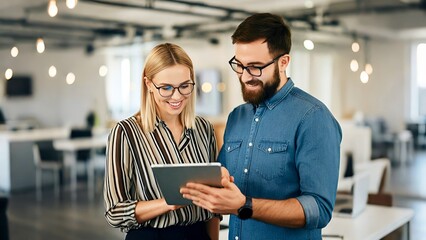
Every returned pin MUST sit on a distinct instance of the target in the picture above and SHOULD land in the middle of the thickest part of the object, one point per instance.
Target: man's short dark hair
(266, 26)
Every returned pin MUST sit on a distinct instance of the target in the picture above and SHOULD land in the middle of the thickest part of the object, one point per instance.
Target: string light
(52, 8)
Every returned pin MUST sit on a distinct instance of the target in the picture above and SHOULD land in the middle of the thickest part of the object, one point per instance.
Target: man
(281, 148)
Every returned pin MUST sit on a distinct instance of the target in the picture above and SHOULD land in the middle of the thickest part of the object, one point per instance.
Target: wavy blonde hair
(161, 57)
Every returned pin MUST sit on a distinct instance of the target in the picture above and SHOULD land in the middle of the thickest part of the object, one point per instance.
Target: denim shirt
(287, 147)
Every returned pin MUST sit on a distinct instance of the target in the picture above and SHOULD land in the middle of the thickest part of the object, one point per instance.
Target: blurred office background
(69, 65)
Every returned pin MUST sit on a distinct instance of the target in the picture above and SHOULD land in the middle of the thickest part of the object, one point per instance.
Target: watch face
(245, 213)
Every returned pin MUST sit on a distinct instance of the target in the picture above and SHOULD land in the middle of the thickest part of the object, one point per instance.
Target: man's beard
(266, 90)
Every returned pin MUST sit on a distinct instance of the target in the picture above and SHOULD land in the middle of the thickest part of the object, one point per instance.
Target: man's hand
(226, 200)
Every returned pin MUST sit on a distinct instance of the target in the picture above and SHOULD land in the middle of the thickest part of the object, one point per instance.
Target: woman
(165, 131)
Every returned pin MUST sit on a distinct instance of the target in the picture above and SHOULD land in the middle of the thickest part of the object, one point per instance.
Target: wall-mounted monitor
(19, 86)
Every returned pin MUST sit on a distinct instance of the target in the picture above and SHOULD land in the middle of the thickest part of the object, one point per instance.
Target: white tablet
(171, 177)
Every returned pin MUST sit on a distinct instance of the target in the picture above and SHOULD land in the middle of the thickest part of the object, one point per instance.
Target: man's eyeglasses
(168, 90)
(255, 71)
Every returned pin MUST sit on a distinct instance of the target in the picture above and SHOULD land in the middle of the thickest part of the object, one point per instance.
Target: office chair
(82, 155)
(91, 160)
(46, 158)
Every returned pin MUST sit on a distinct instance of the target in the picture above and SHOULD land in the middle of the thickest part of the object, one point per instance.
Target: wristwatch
(246, 211)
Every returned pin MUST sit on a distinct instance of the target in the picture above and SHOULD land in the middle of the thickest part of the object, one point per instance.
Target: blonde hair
(161, 57)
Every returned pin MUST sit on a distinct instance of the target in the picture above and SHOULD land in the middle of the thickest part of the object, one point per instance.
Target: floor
(64, 218)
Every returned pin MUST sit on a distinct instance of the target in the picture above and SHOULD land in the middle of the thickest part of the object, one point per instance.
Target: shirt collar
(280, 95)
(161, 123)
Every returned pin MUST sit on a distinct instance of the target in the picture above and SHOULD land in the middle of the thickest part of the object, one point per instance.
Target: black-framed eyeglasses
(168, 90)
(255, 71)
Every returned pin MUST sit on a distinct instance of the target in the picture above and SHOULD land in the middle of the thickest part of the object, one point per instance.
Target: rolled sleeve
(310, 207)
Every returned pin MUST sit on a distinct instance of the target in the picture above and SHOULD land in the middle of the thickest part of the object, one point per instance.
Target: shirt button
(245, 170)
(229, 148)
(236, 237)
(269, 149)
(250, 144)
(256, 119)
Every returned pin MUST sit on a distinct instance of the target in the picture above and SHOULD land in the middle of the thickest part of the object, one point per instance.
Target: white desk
(70, 148)
(373, 223)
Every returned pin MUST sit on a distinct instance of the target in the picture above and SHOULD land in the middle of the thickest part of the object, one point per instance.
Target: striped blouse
(129, 177)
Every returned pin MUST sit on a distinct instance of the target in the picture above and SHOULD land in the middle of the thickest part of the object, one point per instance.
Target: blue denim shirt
(287, 147)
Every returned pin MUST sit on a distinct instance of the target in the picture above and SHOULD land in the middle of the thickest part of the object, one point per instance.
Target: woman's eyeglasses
(168, 90)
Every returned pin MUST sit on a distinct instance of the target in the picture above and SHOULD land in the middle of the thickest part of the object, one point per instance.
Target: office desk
(70, 148)
(373, 223)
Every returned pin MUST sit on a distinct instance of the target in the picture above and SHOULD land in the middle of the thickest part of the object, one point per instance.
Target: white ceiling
(101, 20)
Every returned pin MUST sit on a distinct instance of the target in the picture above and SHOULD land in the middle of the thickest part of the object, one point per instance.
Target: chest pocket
(271, 159)
(232, 149)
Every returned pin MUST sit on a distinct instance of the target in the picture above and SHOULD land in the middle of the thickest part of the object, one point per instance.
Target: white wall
(53, 102)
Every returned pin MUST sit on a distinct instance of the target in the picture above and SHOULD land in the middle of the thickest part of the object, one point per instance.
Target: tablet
(171, 177)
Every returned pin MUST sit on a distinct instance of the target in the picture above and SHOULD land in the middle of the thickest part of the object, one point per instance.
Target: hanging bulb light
(368, 68)
(70, 78)
(355, 47)
(103, 71)
(221, 87)
(363, 77)
(52, 8)
(40, 45)
(8, 74)
(71, 3)
(354, 65)
(52, 71)
(14, 51)
(308, 44)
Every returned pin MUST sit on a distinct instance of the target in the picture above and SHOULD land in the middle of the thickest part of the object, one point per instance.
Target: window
(418, 89)
(123, 86)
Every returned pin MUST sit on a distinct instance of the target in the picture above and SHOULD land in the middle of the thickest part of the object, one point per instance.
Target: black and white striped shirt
(129, 177)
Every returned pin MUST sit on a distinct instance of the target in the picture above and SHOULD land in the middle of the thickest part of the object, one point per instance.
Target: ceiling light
(309, 45)
(52, 71)
(52, 8)
(71, 3)
(40, 45)
(363, 77)
(14, 52)
(8, 74)
(354, 65)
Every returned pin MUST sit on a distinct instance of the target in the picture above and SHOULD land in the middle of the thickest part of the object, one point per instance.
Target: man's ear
(283, 62)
